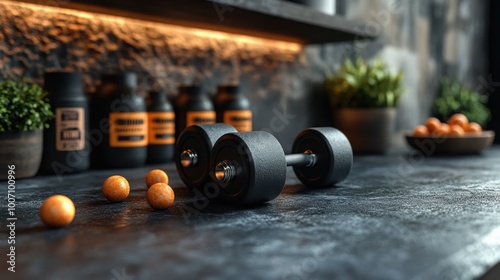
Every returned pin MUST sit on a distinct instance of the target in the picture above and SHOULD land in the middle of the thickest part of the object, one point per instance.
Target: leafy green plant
(360, 84)
(456, 97)
(23, 106)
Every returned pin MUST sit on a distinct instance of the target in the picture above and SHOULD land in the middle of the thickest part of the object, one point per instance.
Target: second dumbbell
(250, 168)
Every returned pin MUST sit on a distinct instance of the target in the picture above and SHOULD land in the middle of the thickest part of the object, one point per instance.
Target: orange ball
(456, 130)
(432, 124)
(156, 176)
(115, 188)
(458, 119)
(474, 128)
(57, 211)
(442, 130)
(160, 196)
(421, 131)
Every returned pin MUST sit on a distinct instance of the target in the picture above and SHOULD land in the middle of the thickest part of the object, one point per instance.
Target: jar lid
(63, 83)
(157, 95)
(128, 79)
(228, 88)
(190, 89)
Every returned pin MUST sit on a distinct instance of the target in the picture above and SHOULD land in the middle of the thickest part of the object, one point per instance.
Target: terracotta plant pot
(22, 149)
(368, 130)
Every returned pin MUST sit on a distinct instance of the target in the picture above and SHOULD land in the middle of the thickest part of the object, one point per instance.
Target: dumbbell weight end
(188, 158)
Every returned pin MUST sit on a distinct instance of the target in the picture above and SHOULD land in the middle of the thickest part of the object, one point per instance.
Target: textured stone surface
(425, 39)
(395, 217)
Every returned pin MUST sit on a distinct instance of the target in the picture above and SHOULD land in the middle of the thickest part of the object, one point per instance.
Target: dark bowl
(451, 145)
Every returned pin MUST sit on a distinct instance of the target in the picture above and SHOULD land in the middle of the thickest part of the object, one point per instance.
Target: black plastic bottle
(192, 106)
(161, 128)
(119, 123)
(233, 108)
(65, 149)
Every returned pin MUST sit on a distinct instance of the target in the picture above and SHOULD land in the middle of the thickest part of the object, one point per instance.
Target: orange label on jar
(240, 119)
(70, 129)
(161, 128)
(200, 117)
(128, 130)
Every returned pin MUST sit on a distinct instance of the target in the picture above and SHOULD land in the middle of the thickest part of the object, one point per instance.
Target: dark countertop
(396, 217)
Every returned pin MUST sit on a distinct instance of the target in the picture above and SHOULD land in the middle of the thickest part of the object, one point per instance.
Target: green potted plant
(456, 97)
(24, 113)
(363, 97)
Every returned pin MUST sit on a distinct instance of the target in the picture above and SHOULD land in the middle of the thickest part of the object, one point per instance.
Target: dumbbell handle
(306, 159)
(225, 171)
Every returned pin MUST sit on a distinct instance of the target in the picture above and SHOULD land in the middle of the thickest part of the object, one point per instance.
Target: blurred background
(425, 40)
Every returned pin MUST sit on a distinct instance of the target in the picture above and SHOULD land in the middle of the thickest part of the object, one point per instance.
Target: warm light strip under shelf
(249, 41)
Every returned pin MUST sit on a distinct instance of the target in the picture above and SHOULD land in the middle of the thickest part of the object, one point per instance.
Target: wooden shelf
(279, 20)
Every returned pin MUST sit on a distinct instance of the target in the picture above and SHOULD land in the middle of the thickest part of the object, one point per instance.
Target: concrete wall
(425, 39)
(432, 39)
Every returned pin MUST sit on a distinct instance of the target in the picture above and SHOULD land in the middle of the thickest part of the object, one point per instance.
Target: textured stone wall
(425, 39)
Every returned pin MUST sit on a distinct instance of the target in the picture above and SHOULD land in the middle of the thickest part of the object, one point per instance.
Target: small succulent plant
(360, 84)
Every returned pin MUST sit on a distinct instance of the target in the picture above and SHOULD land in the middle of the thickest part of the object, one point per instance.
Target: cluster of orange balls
(59, 210)
(457, 125)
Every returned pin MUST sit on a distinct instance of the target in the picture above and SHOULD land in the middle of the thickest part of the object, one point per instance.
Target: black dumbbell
(250, 168)
(192, 152)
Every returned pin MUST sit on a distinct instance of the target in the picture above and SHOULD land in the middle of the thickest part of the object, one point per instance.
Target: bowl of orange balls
(457, 136)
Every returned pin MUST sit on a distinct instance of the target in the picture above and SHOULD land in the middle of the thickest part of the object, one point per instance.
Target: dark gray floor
(396, 217)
